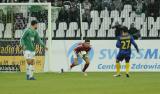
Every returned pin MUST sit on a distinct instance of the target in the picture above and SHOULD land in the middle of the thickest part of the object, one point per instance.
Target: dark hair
(34, 22)
(124, 29)
(87, 40)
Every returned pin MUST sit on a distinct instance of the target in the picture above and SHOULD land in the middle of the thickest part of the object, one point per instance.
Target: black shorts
(121, 57)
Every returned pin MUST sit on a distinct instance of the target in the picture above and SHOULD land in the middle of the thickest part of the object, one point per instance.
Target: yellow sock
(127, 67)
(118, 67)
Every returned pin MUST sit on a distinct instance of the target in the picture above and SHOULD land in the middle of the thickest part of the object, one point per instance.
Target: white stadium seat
(143, 15)
(73, 26)
(41, 28)
(139, 22)
(53, 28)
(1, 29)
(143, 31)
(18, 33)
(127, 22)
(60, 32)
(101, 33)
(124, 14)
(96, 20)
(128, 8)
(153, 33)
(84, 28)
(104, 13)
(91, 33)
(150, 22)
(111, 33)
(93, 28)
(133, 15)
(24, 10)
(119, 20)
(32, 18)
(78, 33)
(8, 31)
(106, 24)
(28, 25)
(94, 14)
(107, 20)
(114, 14)
(157, 25)
(158, 19)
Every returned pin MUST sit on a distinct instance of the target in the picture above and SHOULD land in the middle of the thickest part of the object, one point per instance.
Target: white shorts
(29, 54)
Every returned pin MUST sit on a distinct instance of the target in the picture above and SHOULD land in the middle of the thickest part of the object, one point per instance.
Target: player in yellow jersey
(124, 44)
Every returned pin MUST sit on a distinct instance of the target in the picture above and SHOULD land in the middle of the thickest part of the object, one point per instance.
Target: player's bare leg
(30, 69)
(86, 65)
(75, 63)
(118, 67)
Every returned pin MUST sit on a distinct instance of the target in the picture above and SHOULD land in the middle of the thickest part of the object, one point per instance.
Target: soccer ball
(83, 52)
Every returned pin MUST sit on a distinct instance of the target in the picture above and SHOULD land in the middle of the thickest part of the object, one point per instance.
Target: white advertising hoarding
(103, 56)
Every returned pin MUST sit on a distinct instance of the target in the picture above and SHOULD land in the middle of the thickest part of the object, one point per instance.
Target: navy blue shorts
(121, 57)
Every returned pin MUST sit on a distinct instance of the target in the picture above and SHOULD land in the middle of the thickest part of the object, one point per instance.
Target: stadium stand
(1, 30)
(8, 31)
(73, 27)
(100, 26)
(62, 28)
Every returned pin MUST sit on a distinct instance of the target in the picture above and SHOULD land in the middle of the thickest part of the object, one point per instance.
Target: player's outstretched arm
(118, 44)
(134, 44)
(38, 40)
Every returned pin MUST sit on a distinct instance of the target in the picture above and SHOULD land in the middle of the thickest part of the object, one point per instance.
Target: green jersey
(30, 38)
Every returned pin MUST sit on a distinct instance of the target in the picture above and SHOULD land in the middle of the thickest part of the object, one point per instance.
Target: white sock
(31, 71)
(27, 70)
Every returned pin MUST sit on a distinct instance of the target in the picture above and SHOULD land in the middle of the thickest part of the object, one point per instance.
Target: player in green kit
(28, 41)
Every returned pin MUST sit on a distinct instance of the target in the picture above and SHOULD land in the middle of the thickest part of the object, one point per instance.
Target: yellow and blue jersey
(124, 44)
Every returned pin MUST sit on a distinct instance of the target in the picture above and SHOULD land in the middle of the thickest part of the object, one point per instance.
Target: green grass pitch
(76, 83)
